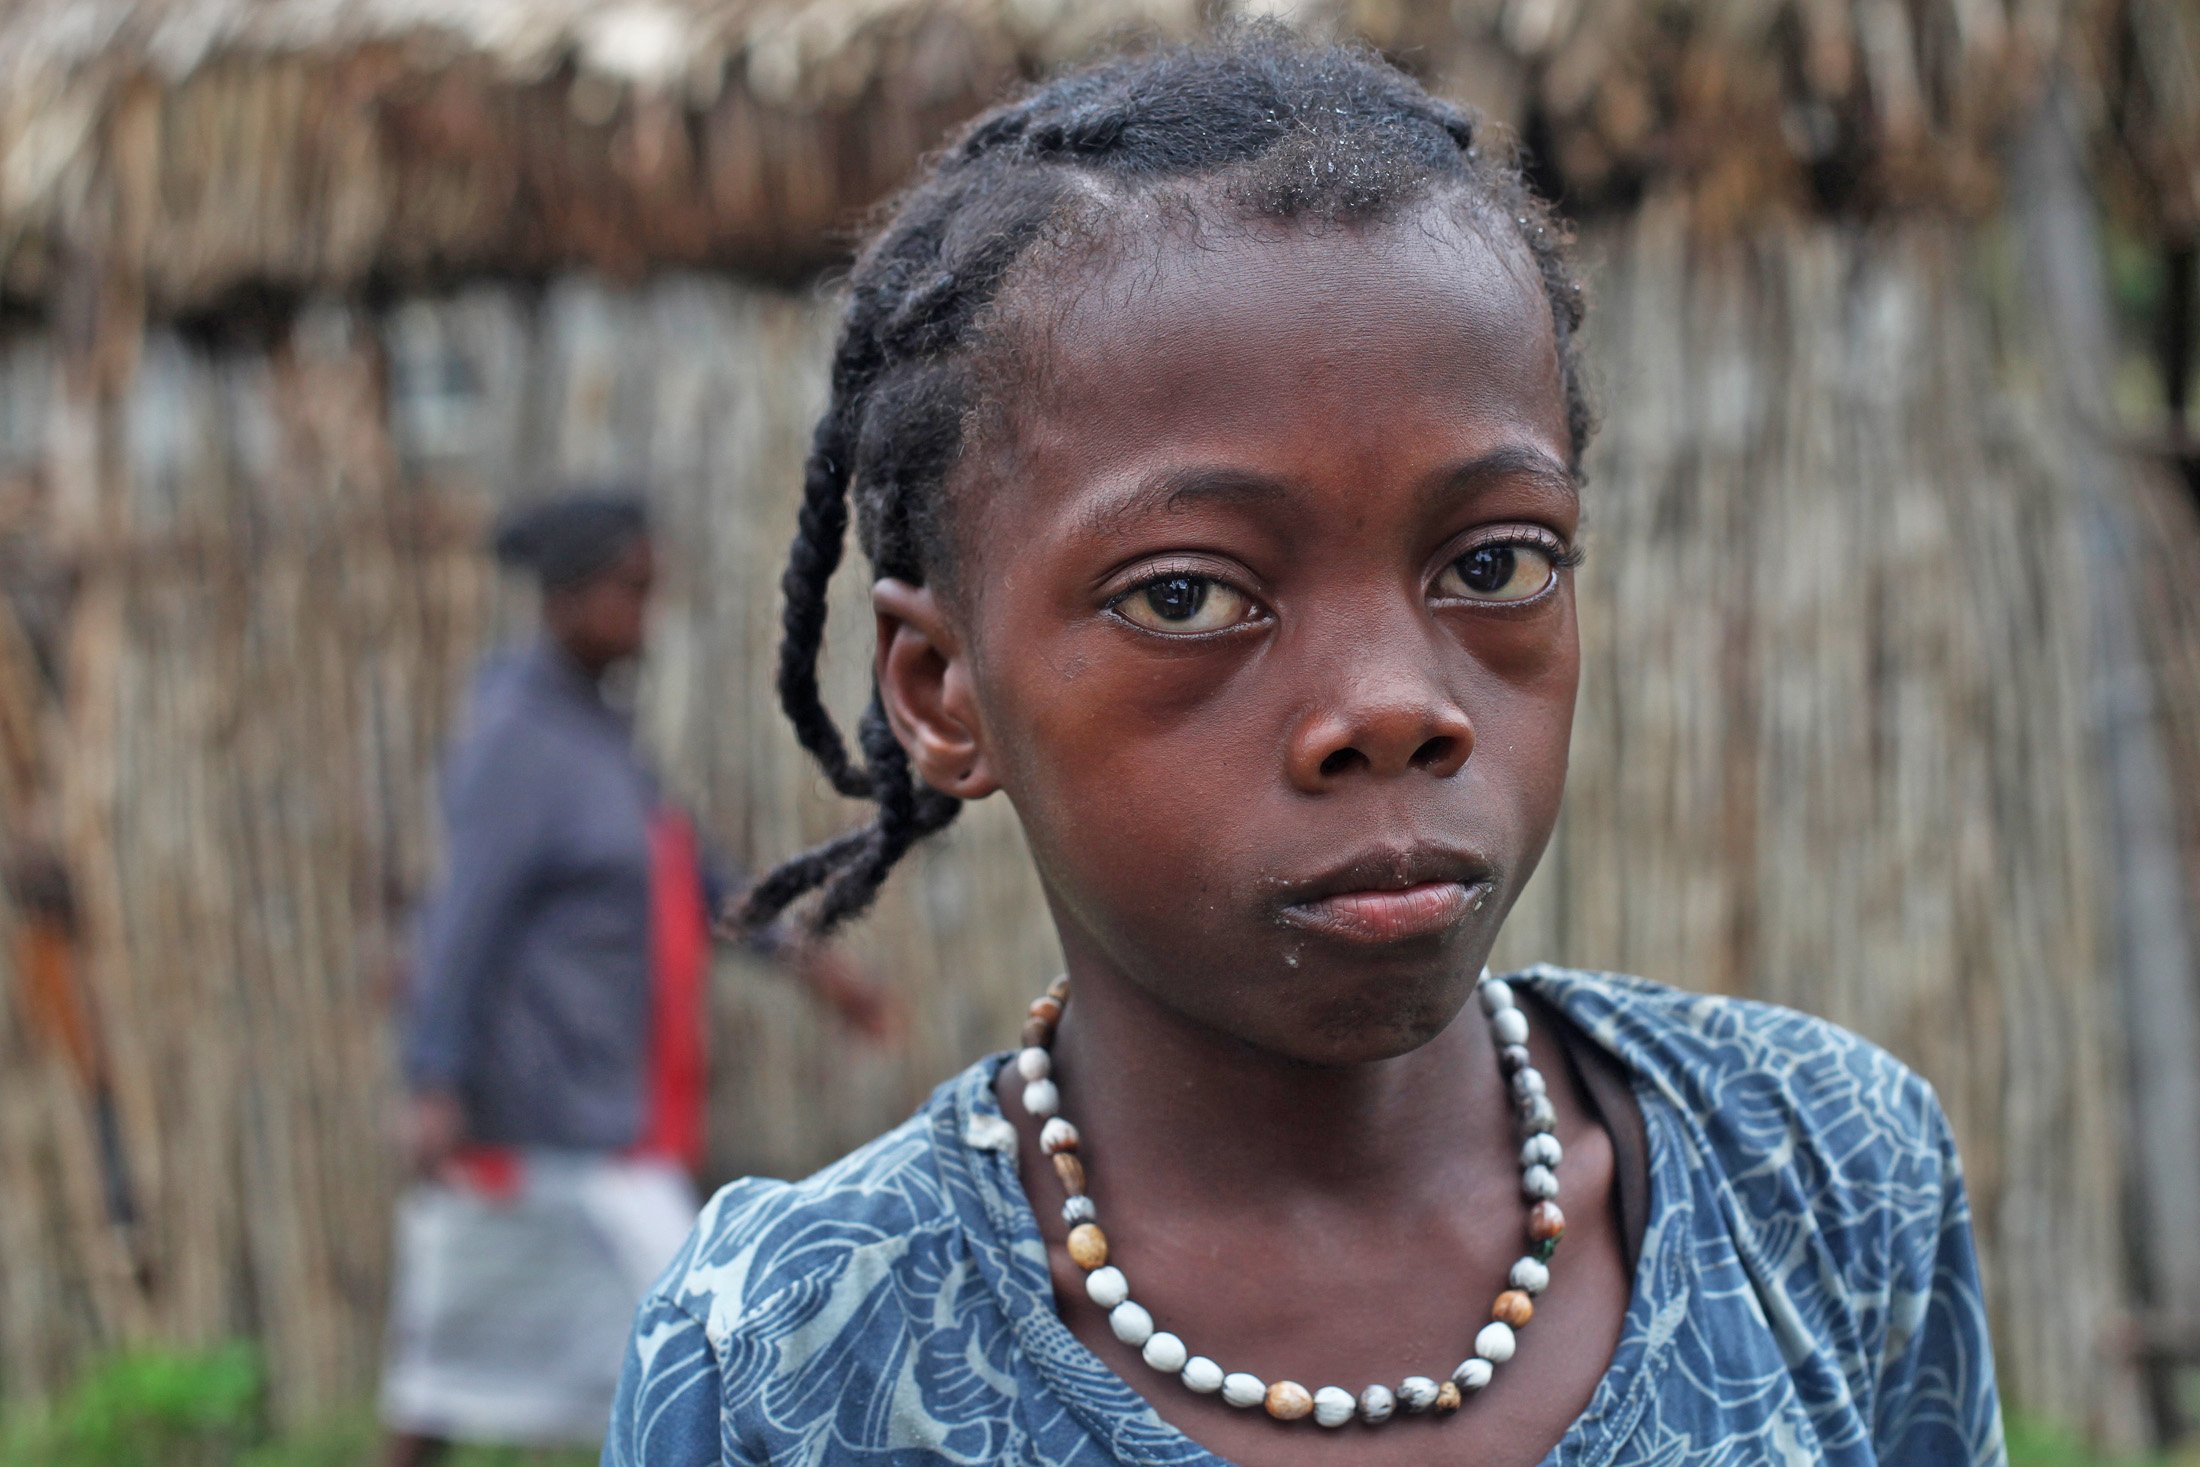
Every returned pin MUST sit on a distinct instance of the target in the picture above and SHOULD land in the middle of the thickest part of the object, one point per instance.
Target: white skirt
(510, 1315)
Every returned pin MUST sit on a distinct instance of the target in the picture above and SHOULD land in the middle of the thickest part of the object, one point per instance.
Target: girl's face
(1264, 623)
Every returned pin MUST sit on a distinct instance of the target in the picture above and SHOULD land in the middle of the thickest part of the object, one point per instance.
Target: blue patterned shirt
(1806, 1290)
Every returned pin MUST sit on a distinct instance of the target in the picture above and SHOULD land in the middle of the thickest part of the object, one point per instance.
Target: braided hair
(1257, 121)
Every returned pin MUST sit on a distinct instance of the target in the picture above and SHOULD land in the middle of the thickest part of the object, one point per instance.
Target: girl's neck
(1181, 1109)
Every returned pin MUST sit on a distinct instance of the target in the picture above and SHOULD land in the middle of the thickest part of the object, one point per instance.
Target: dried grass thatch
(200, 150)
(203, 151)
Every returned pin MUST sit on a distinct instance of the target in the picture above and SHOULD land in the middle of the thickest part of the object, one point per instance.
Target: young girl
(1213, 424)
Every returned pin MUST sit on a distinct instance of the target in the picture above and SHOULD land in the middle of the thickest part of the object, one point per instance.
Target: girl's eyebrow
(1171, 490)
(1515, 463)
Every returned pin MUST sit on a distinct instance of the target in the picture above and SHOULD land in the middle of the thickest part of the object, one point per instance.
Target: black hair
(571, 538)
(1288, 130)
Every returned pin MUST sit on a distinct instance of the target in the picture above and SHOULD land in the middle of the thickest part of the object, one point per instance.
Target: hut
(1892, 697)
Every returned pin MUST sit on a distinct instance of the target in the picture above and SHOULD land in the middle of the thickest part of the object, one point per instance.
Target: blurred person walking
(554, 1022)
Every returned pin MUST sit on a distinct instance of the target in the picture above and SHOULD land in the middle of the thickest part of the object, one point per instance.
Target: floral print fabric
(1806, 1292)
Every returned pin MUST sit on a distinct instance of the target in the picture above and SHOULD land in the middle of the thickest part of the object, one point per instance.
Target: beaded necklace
(1287, 1400)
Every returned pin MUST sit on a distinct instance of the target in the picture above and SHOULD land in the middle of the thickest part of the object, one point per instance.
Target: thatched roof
(203, 148)
(196, 149)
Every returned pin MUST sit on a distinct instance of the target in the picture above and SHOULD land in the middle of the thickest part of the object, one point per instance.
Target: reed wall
(1833, 750)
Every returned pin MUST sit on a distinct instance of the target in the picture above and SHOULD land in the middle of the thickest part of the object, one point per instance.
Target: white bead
(1165, 1353)
(1541, 1149)
(1416, 1393)
(1539, 1182)
(1497, 995)
(1034, 1064)
(1057, 1135)
(1472, 1375)
(1202, 1375)
(1240, 1389)
(1131, 1323)
(1510, 1026)
(1495, 1344)
(1529, 1082)
(1531, 1275)
(1042, 1099)
(1078, 1209)
(1539, 1116)
(1107, 1287)
(1333, 1406)
(1376, 1404)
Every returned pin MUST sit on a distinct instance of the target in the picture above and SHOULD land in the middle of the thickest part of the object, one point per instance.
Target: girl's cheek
(1527, 650)
(1142, 692)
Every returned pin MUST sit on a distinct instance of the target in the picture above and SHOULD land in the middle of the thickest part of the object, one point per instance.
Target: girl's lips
(1388, 916)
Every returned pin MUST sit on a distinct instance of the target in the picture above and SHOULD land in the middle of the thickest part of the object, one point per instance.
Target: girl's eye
(1499, 571)
(1184, 605)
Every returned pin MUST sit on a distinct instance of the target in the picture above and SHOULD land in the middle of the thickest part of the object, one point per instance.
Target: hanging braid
(1284, 130)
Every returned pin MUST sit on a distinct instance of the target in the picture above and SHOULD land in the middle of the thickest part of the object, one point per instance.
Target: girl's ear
(924, 681)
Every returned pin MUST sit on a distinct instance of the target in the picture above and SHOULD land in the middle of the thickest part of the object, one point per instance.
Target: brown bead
(1088, 1246)
(1037, 1035)
(1514, 1058)
(1047, 1011)
(1071, 1171)
(1513, 1307)
(1058, 990)
(1289, 1401)
(1546, 1224)
(1448, 1398)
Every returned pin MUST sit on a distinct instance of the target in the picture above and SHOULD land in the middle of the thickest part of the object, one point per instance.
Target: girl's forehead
(1431, 316)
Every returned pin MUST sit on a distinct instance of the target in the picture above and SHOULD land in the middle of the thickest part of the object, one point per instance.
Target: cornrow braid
(821, 527)
(1283, 128)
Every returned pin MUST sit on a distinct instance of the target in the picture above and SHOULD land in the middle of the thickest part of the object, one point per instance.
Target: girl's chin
(1363, 1019)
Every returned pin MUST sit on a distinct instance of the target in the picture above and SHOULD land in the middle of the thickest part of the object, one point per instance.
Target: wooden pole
(2157, 958)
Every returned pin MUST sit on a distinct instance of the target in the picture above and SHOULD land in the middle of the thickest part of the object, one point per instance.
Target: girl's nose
(1389, 726)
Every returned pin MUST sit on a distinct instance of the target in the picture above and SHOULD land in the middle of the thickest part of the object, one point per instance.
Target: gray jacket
(531, 986)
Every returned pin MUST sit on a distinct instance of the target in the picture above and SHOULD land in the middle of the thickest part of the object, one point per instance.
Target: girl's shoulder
(786, 1293)
(1812, 1202)
(759, 1241)
(1755, 1081)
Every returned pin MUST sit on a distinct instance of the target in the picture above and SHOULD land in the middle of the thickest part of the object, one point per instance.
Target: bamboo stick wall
(268, 642)
(1832, 750)
(1835, 745)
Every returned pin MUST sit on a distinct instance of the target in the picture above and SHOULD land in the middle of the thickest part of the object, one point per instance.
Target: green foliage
(148, 1409)
(2136, 278)
(2038, 1444)
(203, 1409)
